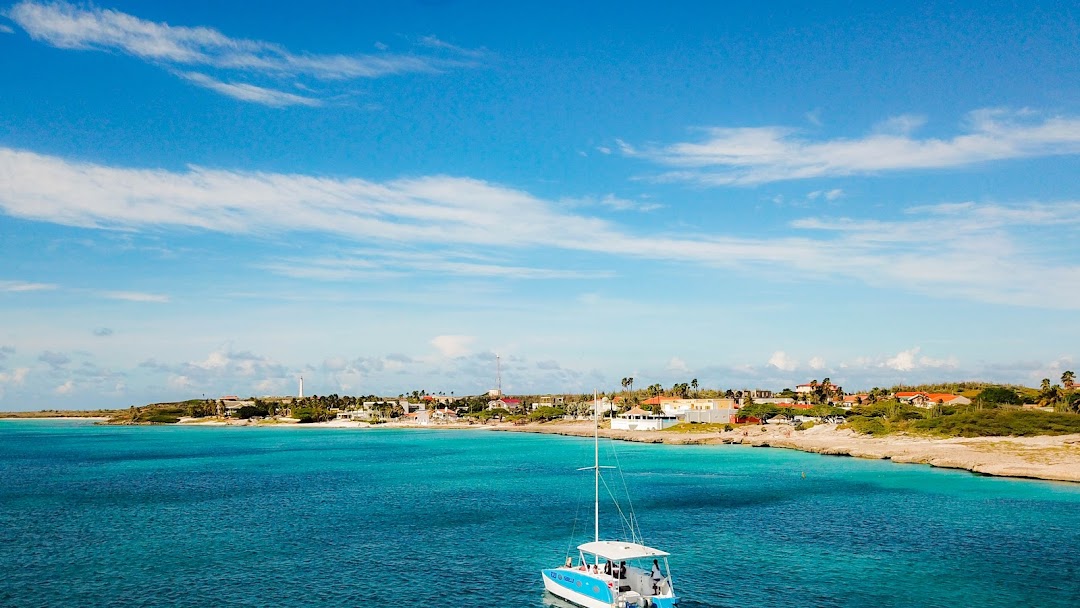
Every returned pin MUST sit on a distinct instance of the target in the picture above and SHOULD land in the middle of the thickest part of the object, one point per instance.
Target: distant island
(987, 428)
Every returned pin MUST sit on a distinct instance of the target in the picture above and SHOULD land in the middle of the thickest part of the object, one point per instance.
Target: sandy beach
(1054, 458)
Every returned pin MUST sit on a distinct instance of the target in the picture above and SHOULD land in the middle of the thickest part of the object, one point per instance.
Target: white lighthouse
(301, 395)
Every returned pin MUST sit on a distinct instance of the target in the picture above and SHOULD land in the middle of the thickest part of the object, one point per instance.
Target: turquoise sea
(181, 516)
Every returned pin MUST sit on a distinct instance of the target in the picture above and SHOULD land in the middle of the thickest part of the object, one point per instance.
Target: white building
(637, 419)
(699, 410)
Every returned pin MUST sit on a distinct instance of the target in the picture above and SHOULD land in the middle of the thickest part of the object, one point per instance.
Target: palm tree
(694, 385)
(1068, 379)
(1045, 385)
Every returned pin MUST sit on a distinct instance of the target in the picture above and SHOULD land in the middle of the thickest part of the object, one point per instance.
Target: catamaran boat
(612, 573)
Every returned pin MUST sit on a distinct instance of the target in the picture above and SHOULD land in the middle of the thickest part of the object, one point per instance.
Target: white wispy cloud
(966, 250)
(250, 92)
(755, 155)
(6, 29)
(18, 286)
(84, 27)
(135, 296)
(829, 195)
(615, 203)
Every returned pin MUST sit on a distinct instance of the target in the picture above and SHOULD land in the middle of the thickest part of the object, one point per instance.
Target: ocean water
(181, 516)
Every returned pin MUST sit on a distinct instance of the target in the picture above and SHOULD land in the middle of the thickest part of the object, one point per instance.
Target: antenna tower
(498, 374)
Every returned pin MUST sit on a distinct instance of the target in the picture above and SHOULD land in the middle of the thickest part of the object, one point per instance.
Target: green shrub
(1000, 423)
(546, 413)
(868, 426)
(250, 411)
(997, 395)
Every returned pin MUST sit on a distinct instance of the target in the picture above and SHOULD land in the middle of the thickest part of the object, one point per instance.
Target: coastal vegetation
(994, 409)
(61, 414)
(992, 413)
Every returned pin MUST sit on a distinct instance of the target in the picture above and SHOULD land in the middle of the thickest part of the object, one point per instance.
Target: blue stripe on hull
(580, 583)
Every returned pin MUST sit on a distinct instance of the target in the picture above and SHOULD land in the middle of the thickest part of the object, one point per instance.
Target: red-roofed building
(505, 403)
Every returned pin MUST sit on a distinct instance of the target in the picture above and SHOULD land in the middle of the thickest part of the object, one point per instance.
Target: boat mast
(596, 468)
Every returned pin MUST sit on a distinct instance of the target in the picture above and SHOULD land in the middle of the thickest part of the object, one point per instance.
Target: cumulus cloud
(54, 360)
(780, 360)
(225, 369)
(67, 26)
(65, 389)
(755, 155)
(909, 360)
(816, 363)
(987, 256)
(15, 376)
(903, 361)
(676, 364)
(453, 345)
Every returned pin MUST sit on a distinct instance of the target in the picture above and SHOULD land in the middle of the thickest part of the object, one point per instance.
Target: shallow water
(182, 516)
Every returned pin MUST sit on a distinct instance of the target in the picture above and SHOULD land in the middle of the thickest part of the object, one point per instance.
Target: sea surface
(183, 516)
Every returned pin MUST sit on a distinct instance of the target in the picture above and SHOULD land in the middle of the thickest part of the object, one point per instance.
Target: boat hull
(578, 588)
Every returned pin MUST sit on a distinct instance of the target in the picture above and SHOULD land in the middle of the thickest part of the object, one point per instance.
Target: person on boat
(608, 567)
(622, 569)
(569, 562)
(656, 577)
(595, 569)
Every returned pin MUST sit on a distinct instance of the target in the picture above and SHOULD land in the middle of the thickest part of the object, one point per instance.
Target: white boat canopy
(617, 550)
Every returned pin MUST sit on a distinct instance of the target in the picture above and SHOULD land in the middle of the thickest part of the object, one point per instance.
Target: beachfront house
(699, 410)
(778, 401)
(924, 399)
(444, 415)
(637, 419)
(354, 415)
(232, 404)
(851, 401)
(505, 403)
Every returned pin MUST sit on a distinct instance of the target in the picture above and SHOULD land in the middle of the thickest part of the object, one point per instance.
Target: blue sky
(198, 198)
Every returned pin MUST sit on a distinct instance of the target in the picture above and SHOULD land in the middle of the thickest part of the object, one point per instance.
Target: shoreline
(1045, 457)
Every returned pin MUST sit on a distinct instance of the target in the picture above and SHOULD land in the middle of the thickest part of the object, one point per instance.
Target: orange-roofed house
(853, 400)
